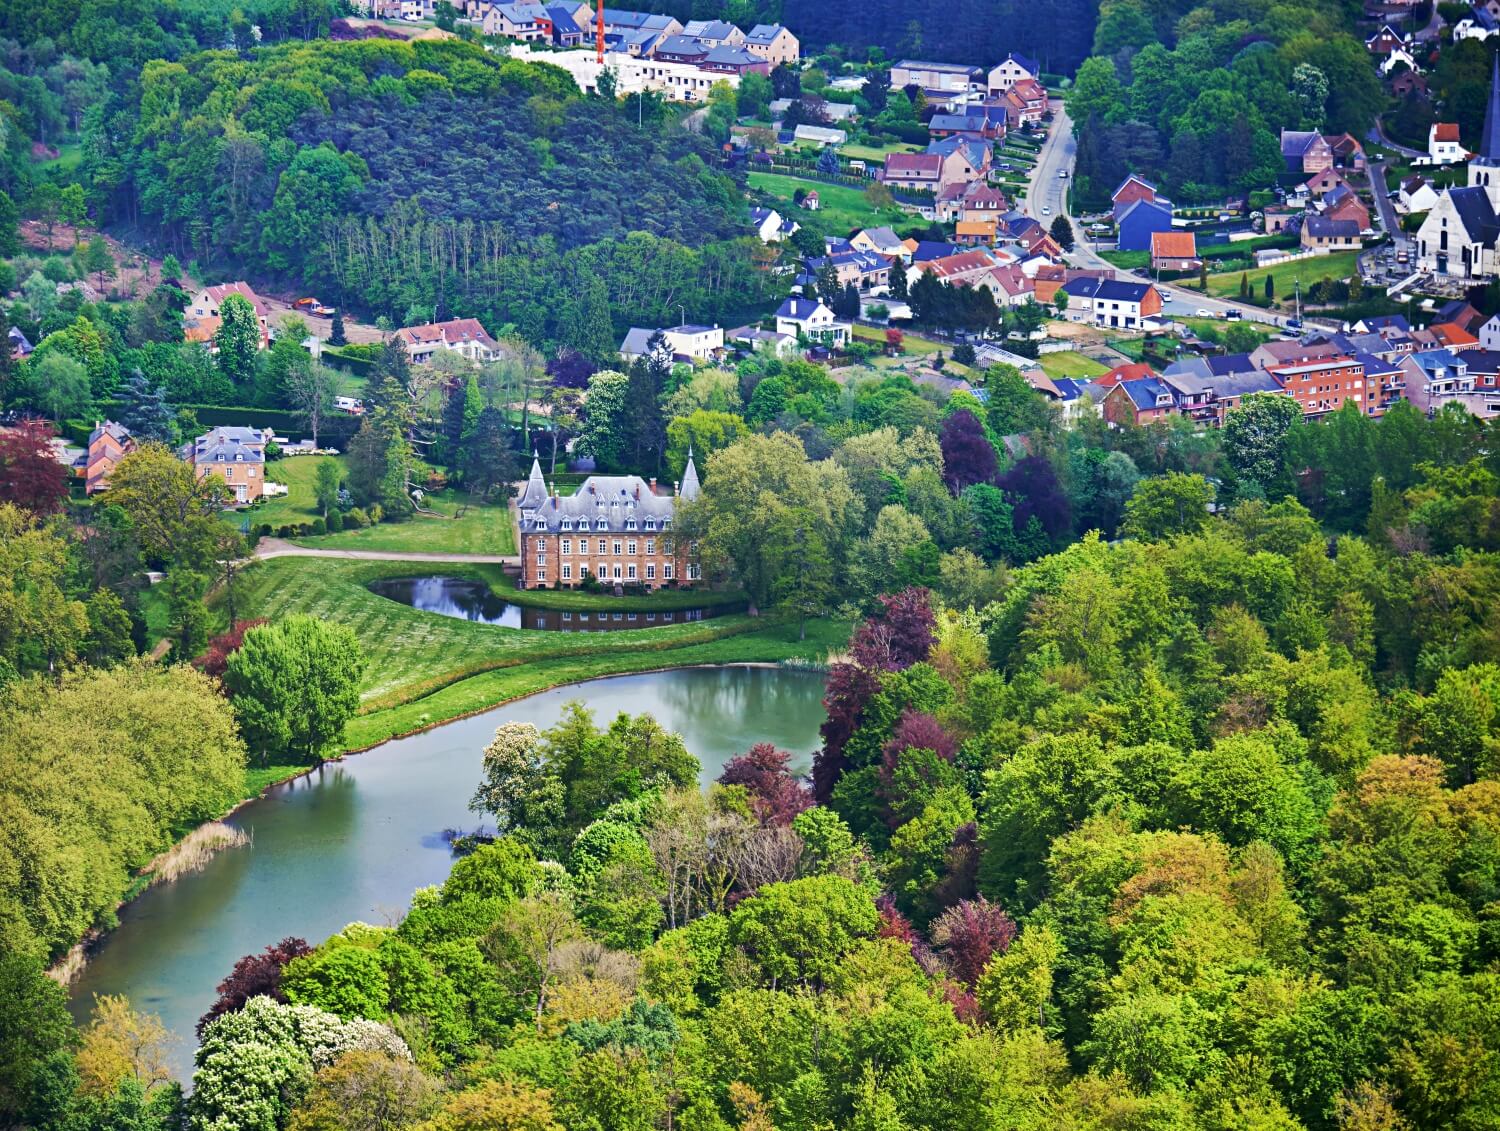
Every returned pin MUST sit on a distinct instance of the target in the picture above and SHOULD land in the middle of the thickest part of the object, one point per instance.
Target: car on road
(1233, 315)
(1204, 312)
(1062, 174)
(1046, 211)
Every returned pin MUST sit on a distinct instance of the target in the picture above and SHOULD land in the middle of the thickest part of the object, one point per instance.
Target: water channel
(354, 840)
(474, 600)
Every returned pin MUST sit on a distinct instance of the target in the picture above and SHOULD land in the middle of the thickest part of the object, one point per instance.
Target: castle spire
(536, 487)
(690, 478)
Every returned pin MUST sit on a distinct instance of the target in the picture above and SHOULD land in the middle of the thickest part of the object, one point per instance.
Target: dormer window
(630, 524)
(601, 525)
(651, 524)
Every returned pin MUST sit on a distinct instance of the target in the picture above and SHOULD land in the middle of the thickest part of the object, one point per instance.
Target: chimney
(674, 487)
(653, 484)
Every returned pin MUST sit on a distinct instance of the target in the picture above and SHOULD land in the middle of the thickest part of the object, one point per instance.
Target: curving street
(1048, 190)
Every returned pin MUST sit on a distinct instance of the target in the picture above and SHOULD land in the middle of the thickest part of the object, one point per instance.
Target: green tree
(1062, 232)
(797, 932)
(700, 432)
(1270, 288)
(590, 329)
(34, 1027)
(336, 334)
(312, 390)
(489, 465)
(237, 340)
(1255, 443)
(327, 482)
(146, 413)
(10, 234)
(190, 622)
(294, 686)
(1163, 506)
(96, 259)
(174, 514)
(804, 578)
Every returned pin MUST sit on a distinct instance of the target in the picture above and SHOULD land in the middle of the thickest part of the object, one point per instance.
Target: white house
(1489, 334)
(882, 241)
(944, 78)
(771, 226)
(686, 342)
(810, 319)
(1009, 71)
(463, 336)
(1416, 194)
(1443, 145)
(1398, 55)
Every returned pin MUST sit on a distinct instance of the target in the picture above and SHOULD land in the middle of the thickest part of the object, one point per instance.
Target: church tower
(1484, 169)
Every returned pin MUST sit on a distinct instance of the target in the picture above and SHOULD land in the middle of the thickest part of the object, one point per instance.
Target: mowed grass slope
(468, 528)
(842, 207)
(1338, 265)
(422, 667)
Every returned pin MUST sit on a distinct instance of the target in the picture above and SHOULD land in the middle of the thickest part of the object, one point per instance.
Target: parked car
(1046, 211)
(1233, 315)
(1204, 312)
(1062, 174)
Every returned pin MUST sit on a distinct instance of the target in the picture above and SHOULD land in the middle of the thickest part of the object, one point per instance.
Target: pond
(474, 600)
(353, 840)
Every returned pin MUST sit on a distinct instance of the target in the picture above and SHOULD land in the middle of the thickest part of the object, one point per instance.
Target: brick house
(109, 443)
(1113, 303)
(238, 455)
(204, 309)
(1321, 383)
(1139, 401)
(464, 336)
(913, 171)
(1343, 203)
(1305, 151)
(1319, 232)
(1174, 251)
(617, 528)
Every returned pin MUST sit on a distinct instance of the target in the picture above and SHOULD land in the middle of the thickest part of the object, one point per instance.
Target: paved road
(1377, 134)
(1047, 190)
(1388, 217)
(276, 548)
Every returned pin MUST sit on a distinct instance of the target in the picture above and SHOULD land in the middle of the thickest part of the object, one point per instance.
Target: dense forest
(1195, 97)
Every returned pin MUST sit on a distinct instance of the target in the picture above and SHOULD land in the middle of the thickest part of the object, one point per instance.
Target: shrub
(319, 526)
(335, 522)
(356, 518)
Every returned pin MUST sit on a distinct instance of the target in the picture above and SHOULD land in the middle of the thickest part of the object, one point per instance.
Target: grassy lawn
(574, 599)
(480, 530)
(912, 344)
(422, 668)
(876, 153)
(841, 206)
(1071, 363)
(1213, 328)
(1339, 265)
(69, 156)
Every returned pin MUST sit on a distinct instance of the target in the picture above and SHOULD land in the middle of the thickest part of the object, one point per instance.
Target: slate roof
(1294, 143)
(883, 237)
(1230, 363)
(612, 503)
(1489, 137)
(1031, 66)
(1374, 365)
(932, 249)
(942, 68)
(636, 341)
(709, 29)
(682, 45)
(1481, 361)
(226, 445)
(1476, 213)
(763, 33)
(1144, 391)
(563, 22)
(1322, 227)
(977, 152)
(958, 122)
(798, 309)
(120, 433)
(1161, 206)
(725, 55)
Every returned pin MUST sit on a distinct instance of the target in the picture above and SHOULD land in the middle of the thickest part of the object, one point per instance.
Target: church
(1461, 236)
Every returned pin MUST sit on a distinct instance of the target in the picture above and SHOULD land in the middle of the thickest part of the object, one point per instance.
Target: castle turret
(535, 493)
(690, 479)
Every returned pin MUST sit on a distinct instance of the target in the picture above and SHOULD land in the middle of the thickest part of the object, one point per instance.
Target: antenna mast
(599, 34)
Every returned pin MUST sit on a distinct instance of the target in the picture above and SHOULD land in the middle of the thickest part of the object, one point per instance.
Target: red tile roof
(1174, 245)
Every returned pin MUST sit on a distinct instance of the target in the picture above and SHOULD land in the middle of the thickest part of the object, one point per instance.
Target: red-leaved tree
(849, 688)
(30, 474)
(899, 635)
(775, 794)
(968, 455)
(215, 657)
(969, 934)
(254, 975)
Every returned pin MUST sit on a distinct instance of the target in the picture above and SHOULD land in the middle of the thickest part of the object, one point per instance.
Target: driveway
(1048, 190)
(278, 548)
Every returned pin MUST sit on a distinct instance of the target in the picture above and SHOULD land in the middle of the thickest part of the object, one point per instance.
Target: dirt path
(277, 548)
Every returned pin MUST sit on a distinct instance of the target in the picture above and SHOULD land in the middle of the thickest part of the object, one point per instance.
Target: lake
(474, 600)
(354, 839)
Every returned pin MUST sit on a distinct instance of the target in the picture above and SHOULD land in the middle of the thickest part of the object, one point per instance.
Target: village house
(1010, 285)
(865, 270)
(714, 33)
(1132, 189)
(681, 49)
(566, 30)
(1321, 183)
(1458, 238)
(688, 342)
(529, 22)
(109, 443)
(880, 241)
(770, 226)
(463, 336)
(1479, 24)
(965, 268)
(1009, 71)
(1444, 335)
(1112, 303)
(723, 60)
(1025, 103)
(615, 528)
(1416, 194)
(1407, 84)
(913, 171)
(1461, 314)
(773, 43)
(938, 78)
(1398, 57)
(1305, 152)
(1139, 401)
(1489, 334)
(975, 233)
(972, 126)
(1322, 234)
(1139, 221)
(237, 455)
(1174, 251)
(1437, 377)
(810, 320)
(1384, 41)
(204, 310)
(1443, 144)
(963, 160)
(1343, 203)
(755, 340)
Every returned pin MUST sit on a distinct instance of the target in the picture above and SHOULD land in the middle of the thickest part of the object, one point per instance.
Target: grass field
(480, 530)
(423, 668)
(1070, 363)
(841, 206)
(876, 153)
(1338, 265)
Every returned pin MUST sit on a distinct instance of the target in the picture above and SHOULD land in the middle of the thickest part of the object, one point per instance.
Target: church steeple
(690, 479)
(1489, 140)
